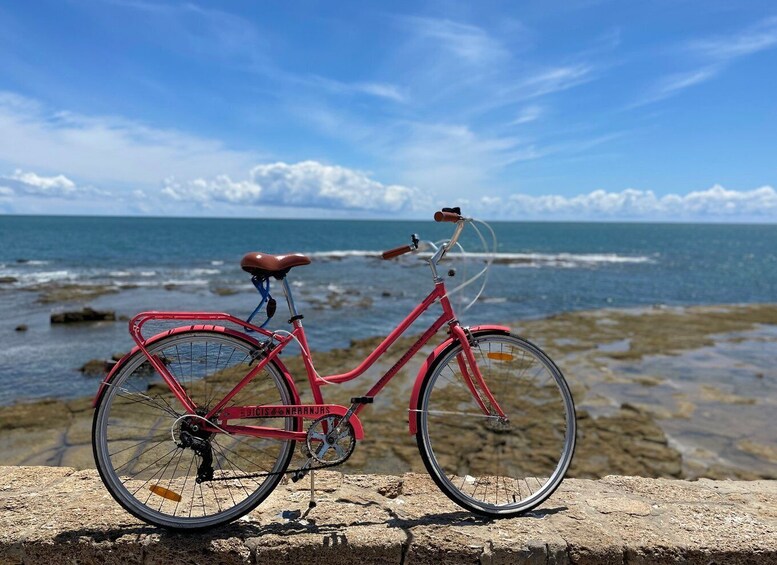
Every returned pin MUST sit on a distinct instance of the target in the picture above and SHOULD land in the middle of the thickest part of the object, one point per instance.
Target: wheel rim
(489, 464)
(149, 472)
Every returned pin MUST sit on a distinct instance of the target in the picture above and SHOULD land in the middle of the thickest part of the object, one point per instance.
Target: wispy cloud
(190, 29)
(384, 90)
(716, 54)
(553, 80)
(758, 37)
(455, 78)
(468, 42)
(675, 83)
(528, 114)
(106, 149)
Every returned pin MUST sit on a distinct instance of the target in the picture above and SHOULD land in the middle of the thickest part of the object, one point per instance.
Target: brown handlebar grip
(396, 252)
(446, 217)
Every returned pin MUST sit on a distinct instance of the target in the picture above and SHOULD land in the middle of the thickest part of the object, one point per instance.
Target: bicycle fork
(473, 378)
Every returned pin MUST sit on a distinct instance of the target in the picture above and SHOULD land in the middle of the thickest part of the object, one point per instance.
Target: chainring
(324, 447)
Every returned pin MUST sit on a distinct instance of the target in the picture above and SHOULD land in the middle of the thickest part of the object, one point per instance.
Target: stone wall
(59, 515)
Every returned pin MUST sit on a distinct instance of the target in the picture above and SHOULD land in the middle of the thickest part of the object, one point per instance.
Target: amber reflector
(499, 356)
(165, 493)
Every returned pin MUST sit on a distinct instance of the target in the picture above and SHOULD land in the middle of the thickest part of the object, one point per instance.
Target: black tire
(148, 472)
(491, 466)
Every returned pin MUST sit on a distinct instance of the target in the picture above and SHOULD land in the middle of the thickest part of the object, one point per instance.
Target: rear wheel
(158, 462)
(491, 465)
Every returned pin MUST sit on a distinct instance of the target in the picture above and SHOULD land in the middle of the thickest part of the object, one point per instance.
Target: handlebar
(447, 216)
(397, 251)
(452, 215)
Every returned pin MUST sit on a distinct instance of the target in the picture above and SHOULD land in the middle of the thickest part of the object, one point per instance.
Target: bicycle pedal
(362, 400)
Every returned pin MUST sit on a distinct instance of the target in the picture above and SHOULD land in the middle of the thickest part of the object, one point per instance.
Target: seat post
(290, 300)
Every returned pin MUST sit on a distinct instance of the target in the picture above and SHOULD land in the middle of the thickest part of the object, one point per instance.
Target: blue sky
(543, 110)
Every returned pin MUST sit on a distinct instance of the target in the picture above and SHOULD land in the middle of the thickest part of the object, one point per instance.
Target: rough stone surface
(59, 515)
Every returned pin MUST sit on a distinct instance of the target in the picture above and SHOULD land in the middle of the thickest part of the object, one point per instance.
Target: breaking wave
(559, 260)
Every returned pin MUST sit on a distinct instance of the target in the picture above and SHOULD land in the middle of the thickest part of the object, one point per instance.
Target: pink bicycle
(197, 425)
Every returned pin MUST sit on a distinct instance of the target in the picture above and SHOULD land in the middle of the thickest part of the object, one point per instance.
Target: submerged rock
(50, 293)
(86, 314)
(97, 367)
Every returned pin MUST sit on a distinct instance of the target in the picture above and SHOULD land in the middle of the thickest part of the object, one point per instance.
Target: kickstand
(312, 503)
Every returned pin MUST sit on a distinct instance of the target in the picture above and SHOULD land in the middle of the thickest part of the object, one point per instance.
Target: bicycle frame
(470, 371)
(276, 342)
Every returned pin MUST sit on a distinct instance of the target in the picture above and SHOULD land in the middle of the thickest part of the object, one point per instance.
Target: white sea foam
(47, 276)
(493, 300)
(217, 263)
(185, 282)
(200, 272)
(342, 254)
(568, 260)
(335, 289)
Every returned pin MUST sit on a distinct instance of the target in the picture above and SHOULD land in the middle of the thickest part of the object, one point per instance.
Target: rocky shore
(661, 392)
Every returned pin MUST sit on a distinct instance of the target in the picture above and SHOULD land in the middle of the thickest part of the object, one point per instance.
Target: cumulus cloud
(308, 184)
(32, 184)
(713, 203)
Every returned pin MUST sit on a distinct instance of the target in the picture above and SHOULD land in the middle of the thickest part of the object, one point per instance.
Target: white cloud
(528, 114)
(758, 37)
(716, 203)
(467, 42)
(553, 80)
(717, 54)
(675, 83)
(381, 90)
(308, 184)
(106, 150)
(32, 184)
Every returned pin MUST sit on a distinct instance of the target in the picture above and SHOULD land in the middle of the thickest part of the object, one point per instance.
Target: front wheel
(499, 466)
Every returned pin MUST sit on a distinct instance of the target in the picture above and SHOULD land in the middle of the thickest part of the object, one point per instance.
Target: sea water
(347, 292)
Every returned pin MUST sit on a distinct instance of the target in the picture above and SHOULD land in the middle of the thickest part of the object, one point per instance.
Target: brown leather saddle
(265, 265)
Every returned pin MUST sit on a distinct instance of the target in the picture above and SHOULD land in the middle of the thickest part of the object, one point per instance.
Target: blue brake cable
(263, 286)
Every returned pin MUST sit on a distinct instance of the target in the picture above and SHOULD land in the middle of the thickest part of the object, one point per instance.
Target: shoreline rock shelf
(86, 314)
(59, 515)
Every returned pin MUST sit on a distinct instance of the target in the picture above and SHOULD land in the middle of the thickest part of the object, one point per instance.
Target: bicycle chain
(269, 474)
(318, 466)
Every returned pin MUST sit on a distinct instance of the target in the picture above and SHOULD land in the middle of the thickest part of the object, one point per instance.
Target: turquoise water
(347, 292)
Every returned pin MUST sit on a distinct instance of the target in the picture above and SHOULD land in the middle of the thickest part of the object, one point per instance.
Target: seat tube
(296, 321)
(289, 298)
